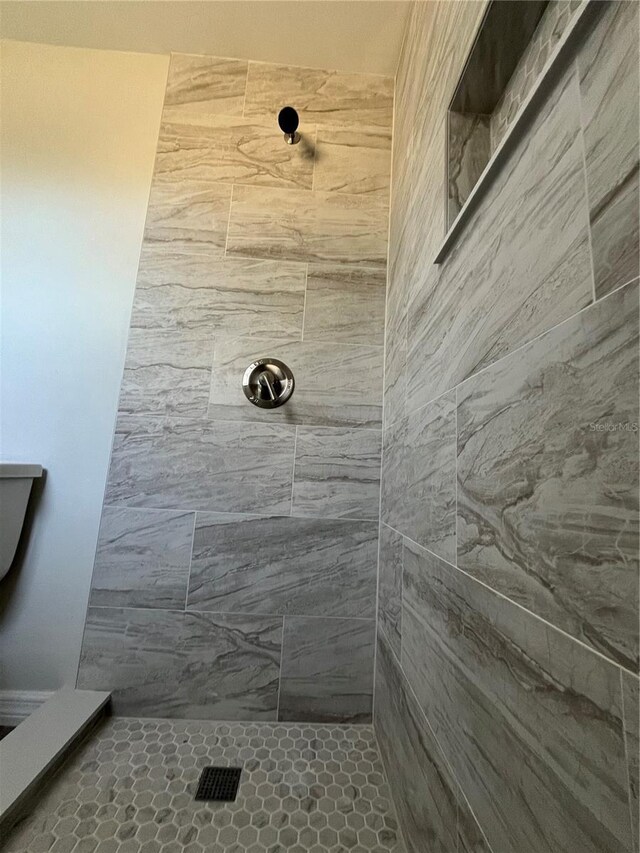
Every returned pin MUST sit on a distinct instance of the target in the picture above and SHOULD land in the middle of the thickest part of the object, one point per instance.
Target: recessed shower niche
(512, 50)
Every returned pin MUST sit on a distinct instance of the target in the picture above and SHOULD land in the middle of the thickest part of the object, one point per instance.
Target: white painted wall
(79, 132)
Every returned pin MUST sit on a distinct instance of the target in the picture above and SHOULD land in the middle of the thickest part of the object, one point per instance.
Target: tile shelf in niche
(582, 20)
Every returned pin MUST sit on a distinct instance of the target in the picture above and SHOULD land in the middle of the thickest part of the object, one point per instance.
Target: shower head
(288, 121)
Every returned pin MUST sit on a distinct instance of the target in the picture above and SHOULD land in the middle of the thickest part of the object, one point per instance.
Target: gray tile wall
(235, 574)
(507, 670)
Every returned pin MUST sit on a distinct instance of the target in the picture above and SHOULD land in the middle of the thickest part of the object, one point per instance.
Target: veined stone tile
(530, 720)
(610, 92)
(548, 476)
(327, 670)
(201, 666)
(419, 476)
(204, 295)
(337, 473)
(335, 98)
(307, 225)
(424, 791)
(142, 558)
(395, 365)
(418, 214)
(354, 161)
(631, 700)
(167, 371)
(345, 304)
(231, 150)
(284, 566)
(200, 85)
(336, 384)
(390, 587)
(189, 206)
(521, 265)
(197, 464)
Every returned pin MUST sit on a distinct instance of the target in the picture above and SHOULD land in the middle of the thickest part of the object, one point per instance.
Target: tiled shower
(407, 600)
(238, 546)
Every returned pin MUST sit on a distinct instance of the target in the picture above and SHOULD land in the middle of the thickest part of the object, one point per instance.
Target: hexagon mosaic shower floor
(130, 789)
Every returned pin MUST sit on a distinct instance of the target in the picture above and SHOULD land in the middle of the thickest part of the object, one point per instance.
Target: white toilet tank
(15, 487)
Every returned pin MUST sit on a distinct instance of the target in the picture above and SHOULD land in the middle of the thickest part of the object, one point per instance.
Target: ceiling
(349, 35)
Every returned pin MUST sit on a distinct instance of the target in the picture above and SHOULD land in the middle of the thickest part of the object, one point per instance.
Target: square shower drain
(219, 783)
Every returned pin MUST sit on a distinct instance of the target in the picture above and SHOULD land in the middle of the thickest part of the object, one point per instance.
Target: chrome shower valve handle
(268, 383)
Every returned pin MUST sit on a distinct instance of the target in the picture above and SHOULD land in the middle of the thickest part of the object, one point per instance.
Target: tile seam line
(460, 791)
(191, 550)
(383, 395)
(590, 306)
(194, 419)
(516, 604)
(634, 829)
(243, 613)
(244, 515)
(583, 153)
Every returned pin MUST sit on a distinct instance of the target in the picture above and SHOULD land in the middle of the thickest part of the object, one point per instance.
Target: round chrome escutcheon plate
(268, 383)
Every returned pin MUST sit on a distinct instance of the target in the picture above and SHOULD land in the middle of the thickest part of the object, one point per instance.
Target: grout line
(627, 756)
(459, 789)
(455, 450)
(293, 471)
(514, 603)
(280, 672)
(246, 87)
(304, 303)
(245, 514)
(590, 307)
(226, 239)
(583, 150)
(315, 151)
(193, 537)
(384, 368)
(192, 611)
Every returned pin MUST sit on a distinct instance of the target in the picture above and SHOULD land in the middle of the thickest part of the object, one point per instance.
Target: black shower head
(288, 120)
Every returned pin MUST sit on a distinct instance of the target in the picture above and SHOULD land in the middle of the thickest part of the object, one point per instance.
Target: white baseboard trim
(16, 705)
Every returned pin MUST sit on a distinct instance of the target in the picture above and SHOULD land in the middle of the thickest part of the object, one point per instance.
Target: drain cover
(219, 783)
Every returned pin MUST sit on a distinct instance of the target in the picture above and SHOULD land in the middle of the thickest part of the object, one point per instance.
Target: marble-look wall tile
(522, 264)
(337, 473)
(530, 720)
(307, 225)
(424, 791)
(204, 295)
(345, 304)
(200, 85)
(610, 92)
(419, 476)
(208, 148)
(336, 384)
(142, 559)
(390, 587)
(202, 666)
(323, 98)
(167, 371)
(190, 215)
(631, 700)
(195, 464)
(327, 670)
(395, 363)
(284, 566)
(548, 476)
(354, 161)
(418, 216)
